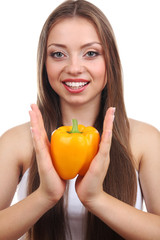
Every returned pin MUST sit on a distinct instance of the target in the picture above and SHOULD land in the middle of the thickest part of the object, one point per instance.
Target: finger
(101, 162)
(39, 121)
(107, 132)
(38, 116)
(38, 134)
(108, 120)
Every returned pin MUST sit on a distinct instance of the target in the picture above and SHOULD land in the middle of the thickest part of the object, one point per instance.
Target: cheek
(101, 74)
(51, 73)
(54, 71)
(51, 76)
(49, 69)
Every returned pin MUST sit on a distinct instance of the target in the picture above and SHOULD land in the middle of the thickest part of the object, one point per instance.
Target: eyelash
(54, 54)
(94, 54)
(61, 54)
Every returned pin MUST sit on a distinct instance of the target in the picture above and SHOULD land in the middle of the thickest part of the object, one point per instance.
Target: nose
(74, 66)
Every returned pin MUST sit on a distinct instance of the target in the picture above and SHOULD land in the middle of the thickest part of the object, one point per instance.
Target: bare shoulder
(15, 156)
(142, 128)
(145, 145)
(144, 138)
(16, 144)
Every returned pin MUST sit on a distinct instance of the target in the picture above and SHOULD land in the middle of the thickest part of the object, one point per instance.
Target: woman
(79, 76)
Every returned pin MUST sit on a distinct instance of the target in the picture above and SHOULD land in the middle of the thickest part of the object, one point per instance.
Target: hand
(90, 186)
(52, 187)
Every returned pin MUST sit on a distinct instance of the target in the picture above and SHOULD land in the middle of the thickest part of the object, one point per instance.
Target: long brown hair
(120, 180)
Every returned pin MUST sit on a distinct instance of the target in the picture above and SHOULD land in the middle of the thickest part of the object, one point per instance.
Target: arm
(15, 151)
(15, 154)
(17, 219)
(127, 221)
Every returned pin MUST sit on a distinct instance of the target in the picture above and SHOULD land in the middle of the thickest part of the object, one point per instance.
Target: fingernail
(113, 112)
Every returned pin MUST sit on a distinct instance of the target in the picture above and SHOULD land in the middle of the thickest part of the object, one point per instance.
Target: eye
(57, 54)
(92, 54)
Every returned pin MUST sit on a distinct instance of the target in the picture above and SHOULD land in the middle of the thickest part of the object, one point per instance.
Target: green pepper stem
(74, 126)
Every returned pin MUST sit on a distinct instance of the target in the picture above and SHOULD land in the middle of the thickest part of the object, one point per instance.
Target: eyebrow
(64, 46)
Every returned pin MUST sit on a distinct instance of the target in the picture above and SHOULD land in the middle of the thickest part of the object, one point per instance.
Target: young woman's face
(75, 61)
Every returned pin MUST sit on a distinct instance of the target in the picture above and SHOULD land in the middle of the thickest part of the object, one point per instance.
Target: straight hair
(120, 181)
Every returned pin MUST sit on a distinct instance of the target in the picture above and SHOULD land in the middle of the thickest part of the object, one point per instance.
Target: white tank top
(76, 210)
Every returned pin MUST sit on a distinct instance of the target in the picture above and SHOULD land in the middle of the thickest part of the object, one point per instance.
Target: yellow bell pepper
(73, 148)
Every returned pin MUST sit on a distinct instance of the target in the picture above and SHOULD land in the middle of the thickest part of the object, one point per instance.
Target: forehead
(75, 28)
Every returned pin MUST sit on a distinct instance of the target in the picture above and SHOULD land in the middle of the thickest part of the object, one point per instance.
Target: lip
(72, 90)
(74, 80)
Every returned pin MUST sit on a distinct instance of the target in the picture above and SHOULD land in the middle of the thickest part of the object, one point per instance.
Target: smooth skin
(17, 144)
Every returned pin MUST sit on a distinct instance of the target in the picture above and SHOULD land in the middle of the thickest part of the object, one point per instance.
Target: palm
(50, 183)
(90, 186)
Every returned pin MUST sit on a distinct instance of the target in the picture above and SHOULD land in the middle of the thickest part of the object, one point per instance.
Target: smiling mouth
(75, 85)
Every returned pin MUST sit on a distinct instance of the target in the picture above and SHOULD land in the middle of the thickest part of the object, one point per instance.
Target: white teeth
(75, 84)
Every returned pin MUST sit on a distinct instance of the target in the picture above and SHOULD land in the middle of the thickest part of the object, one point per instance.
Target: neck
(85, 114)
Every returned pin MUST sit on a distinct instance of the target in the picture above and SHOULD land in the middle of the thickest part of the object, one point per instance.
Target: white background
(136, 26)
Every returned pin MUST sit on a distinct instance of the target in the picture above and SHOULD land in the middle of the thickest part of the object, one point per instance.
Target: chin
(75, 100)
